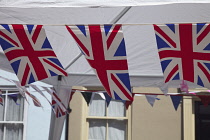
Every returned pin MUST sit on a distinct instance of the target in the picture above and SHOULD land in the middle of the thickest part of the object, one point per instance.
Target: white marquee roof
(91, 3)
(137, 17)
(143, 60)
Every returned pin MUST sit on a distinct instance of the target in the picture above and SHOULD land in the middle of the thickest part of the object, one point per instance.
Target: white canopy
(143, 59)
(136, 16)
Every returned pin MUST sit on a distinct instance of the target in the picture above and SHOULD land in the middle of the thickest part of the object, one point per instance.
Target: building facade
(141, 121)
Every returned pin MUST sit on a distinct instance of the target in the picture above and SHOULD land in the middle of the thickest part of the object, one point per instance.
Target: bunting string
(57, 106)
(124, 24)
(171, 94)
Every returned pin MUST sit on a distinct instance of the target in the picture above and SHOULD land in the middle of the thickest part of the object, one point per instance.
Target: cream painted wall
(77, 119)
(160, 122)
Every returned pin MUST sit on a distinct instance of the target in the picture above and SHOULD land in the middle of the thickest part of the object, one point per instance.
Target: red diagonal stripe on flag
(121, 87)
(55, 66)
(203, 34)
(174, 70)
(84, 49)
(36, 33)
(9, 39)
(25, 75)
(165, 36)
(112, 35)
(204, 71)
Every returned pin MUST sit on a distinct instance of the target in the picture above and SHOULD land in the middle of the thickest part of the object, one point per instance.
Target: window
(107, 123)
(202, 121)
(12, 119)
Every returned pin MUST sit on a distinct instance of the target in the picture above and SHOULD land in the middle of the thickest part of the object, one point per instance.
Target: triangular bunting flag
(22, 89)
(164, 88)
(71, 96)
(127, 104)
(107, 98)
(180, 66)
(204, 99)
(151, 99)
(176, 101)
(14, 97)
(92, 97)
(39, 91)
(108, 59)
(59, 112)
(39, 57)
(58, 107)
(87, 96)
(36, 101)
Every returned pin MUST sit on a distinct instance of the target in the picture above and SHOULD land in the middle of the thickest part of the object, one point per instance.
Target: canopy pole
(74, 60)
(52, 125)
(121, 14)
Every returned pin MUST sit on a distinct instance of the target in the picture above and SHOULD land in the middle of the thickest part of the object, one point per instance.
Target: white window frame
(24, 122)
(127, 118)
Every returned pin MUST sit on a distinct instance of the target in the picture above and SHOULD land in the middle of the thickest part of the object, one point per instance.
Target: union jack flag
(184, 51)
(29, 52)
(58, 108)
(58, 101)
(104, 49)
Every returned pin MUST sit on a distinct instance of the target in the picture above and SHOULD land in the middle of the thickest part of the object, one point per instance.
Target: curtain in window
(116, 130)
(98, 127)
(97, 106)
(116, 109)
(97, 130)
(2, 110)
(14, 132)
(14, 112)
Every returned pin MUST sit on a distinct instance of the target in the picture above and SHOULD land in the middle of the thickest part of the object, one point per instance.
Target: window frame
(126, 118)
(8, 89)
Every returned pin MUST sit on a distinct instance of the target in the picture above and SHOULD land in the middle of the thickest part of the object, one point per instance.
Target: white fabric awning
(91, 3)
(143, 59)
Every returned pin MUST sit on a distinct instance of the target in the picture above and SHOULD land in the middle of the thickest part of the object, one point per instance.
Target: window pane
(1, 131)
(2, 110)
(97, 130)
(14, 131)
(116, 109)
(117, 130)
(97, 107)
(204, 109)
(14, 111)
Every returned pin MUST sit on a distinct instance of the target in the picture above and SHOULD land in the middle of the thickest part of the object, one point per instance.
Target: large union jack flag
(184, 51)
(29, 52)
(104, 49)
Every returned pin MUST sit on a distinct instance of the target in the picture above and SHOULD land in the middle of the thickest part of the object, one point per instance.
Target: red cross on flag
(104, 49)
(184, 51)
(29, 52)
